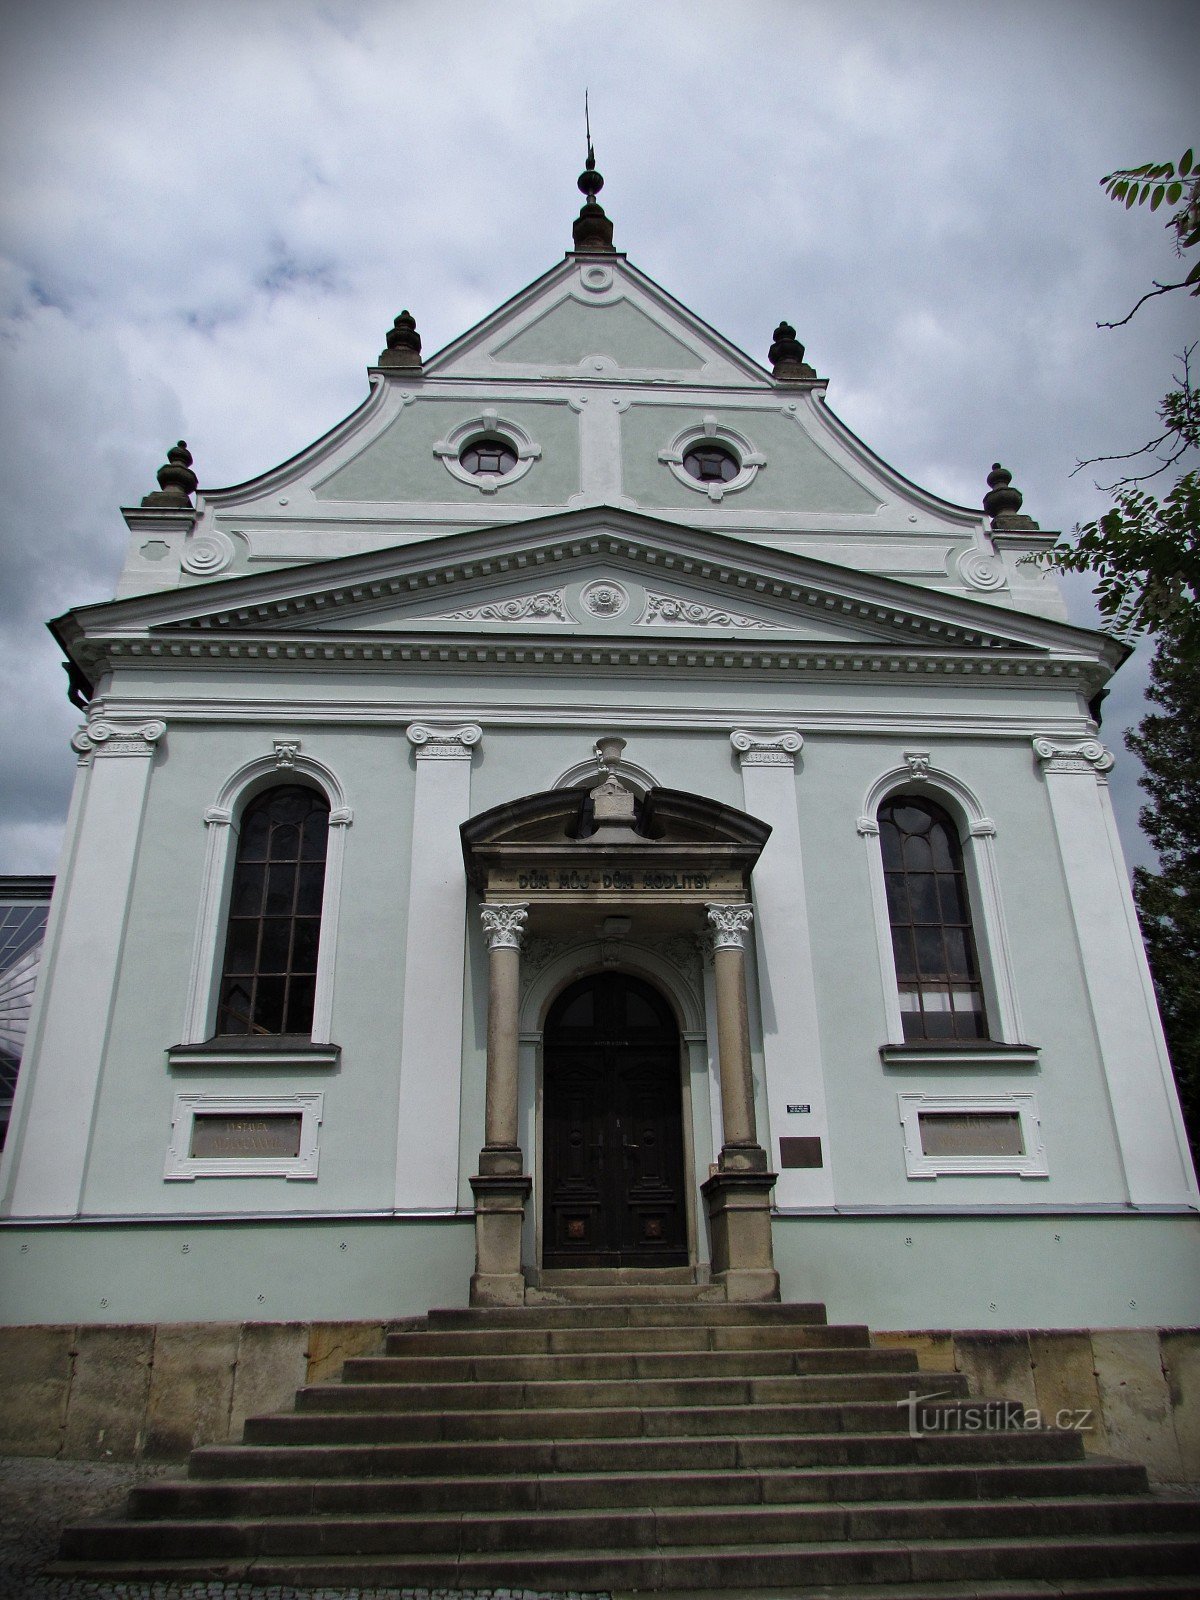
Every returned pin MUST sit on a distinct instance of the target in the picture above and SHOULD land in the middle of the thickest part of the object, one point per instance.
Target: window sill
(958, 1053)
(255, 1050)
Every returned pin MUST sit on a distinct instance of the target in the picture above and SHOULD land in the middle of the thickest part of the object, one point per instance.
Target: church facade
(588, 814)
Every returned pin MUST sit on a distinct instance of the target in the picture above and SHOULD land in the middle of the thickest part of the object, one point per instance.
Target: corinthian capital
(504, 926)
(766, 749)
(1073, 755)
(729, 925)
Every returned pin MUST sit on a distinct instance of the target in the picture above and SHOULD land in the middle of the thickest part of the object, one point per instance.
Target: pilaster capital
(730, 924)
(443, 743)
(1073, 755)
(766, 749)
(103, 738)
(504, 926)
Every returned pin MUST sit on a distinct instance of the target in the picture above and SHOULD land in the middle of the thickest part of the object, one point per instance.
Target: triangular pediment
(595, 316)
(601, 576)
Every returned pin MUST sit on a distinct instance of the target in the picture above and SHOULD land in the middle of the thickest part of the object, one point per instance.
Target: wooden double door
(612, 1128)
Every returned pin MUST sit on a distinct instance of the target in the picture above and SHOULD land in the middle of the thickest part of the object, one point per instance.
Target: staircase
(625, 1445)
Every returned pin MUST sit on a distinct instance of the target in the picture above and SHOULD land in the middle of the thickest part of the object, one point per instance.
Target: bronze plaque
(802, 1151)
(221, 1136)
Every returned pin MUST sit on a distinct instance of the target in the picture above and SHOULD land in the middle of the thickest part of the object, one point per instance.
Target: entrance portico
(558, 863)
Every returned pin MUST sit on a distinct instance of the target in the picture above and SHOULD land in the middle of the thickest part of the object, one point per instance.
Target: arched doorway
(612, 1128)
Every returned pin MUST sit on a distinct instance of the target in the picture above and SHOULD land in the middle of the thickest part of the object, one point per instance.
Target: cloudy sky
(213, 211)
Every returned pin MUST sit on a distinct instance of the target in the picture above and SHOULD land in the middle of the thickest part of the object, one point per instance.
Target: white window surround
(182, 1167)
(492, 424)
(710, 430)
(919, 776)
(284, 764)
(1032, 1164)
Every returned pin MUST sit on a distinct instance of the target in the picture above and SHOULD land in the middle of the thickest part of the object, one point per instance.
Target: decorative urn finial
(1003, 502)
(592, 231)
(786, 356)
(176, 480)
(403, 343)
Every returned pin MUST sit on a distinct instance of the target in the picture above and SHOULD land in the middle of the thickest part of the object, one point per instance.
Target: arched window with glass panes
(929, 909)
(269, 974)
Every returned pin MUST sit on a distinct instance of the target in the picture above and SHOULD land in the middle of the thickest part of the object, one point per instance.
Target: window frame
(977, 833)
(286, 765)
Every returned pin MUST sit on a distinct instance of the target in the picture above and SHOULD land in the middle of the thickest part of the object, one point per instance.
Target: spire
(176, 480)
(591, 229)
(1003, 502)
(403, 344)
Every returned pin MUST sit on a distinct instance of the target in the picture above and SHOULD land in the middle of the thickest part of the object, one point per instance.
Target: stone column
(427, 1156)
(1149, 1128)
(501, 1187)
(68, 1039)
(787, 990)
(738, 1194)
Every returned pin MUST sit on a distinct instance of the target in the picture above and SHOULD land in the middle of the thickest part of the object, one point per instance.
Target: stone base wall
(1131, 1392)
(146, 1392)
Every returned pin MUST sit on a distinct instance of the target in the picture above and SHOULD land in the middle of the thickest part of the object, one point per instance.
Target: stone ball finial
(403, 343)
(176, 480)
(786, 356)
(1003, 501)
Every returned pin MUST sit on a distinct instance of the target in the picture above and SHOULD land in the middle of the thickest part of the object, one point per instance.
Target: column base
(739, 1226)
(499, 1218)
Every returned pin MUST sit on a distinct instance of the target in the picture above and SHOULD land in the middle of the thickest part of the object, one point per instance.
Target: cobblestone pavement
(38, 1497)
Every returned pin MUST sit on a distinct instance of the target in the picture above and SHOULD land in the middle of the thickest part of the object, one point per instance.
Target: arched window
(268, 979)
(937, 968)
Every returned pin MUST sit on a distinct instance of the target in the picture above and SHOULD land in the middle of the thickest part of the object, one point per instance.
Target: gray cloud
(213, 212)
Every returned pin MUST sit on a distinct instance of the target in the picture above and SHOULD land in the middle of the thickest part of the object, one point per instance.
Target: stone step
(915, 1562)
(293, 1497)
(629, 1529)
(614, 1421)
(600, 1393)
(520, 1340)
(587, 1366)
(714, 1453)
(625, 1294)
(839, 1362)
(652, 1314)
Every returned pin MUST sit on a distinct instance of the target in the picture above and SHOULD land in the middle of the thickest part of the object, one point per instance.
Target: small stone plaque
(800, 1152)
(218, 1135)
(971, 1133)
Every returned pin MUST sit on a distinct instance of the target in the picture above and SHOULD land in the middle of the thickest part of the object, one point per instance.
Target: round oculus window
(711, 463)
(488, 457)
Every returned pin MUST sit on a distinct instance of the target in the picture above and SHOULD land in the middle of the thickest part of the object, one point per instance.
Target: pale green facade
(308, 625)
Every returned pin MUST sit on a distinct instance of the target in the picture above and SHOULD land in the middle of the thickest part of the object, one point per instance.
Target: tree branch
(1159, 288)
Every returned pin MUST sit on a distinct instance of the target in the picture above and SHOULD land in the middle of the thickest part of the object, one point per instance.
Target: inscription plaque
(800, 1152)
(222, 1136)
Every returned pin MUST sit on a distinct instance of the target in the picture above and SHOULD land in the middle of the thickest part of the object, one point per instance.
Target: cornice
(331, 652)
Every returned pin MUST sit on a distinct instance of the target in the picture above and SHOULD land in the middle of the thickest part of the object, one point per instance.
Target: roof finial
(176, 480)
(1003, 501)
(786, 356)
(403, 344)
(592, 230)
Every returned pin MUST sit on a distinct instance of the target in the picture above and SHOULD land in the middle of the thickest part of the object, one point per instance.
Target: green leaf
(1131, 197)
(1156, 197)
(1144, 193)
(1185, 163)
(1118, 190)
(1174, 192)
(1194, 275)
